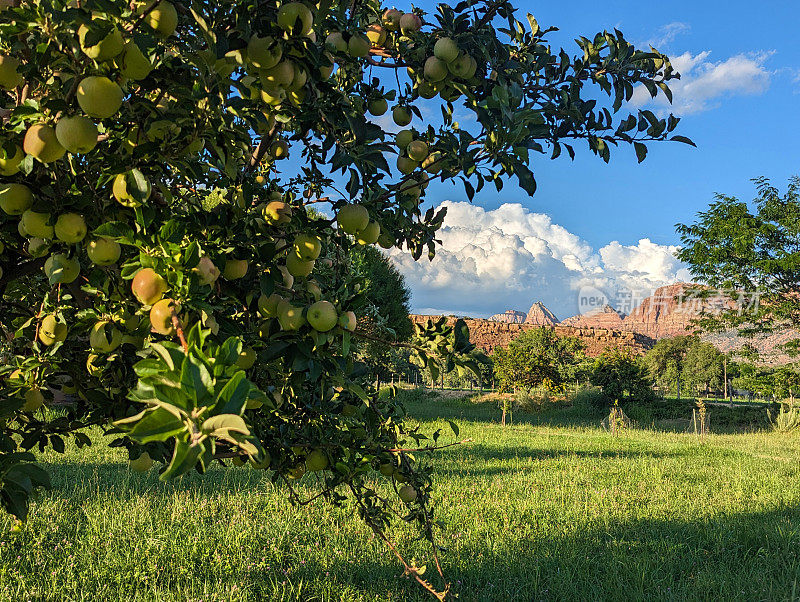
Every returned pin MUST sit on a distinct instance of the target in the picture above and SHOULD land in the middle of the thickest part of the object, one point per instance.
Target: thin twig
(431, 447)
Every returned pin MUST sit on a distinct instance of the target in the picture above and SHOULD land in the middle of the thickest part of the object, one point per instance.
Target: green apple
(264, 53)
(401, 116)
(386, 469)
(358, 46)
(348, 321)
(290, 317)
(427, 89)
(268, 306)
(51, 331)
(316, 461)
(99, 97)
(295, 18)
(103, 251)
(433, 163)
(39, 247)
(410, 23)
(206, 271)
(60, 269)
(288, 279)
(277, 212)
(70, 228)
(37, 224)
(298, 267)
(391, 19)
(407, 493)
(77, 134)
(314, 289)
(33, 400)
(142, 464)
(161, 316)
(9, 77)
(273, 96)
(15, 198)
(322, 316)
(281, 75)
(352, 218)
(133, 64)
(107, 48)
(235, 269)
(41, 143)
(435, 69)
(404, 138)
(369, 235)
(163, 18)
(445, 50)
(376, 34)
(405, 165)
(326, 65)
(279, 149)
(148, 286)
(386, 240)
(119, 189)
(10, 164)
(104, 337)
(378, 106)
(300, 78)
(417, 150)
(247, 358)
(336, 42)
(307, 247)
(461, 66)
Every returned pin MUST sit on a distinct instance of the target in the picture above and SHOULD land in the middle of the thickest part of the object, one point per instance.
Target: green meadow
(551, 507)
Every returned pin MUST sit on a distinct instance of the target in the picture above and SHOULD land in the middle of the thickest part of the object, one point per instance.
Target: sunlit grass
(540, 510)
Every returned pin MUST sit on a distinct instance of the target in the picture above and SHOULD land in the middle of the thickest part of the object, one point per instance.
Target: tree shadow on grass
(748, 556)
(726, 556)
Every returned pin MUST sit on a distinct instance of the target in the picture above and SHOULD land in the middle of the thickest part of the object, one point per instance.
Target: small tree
(621, 376)
(537, 357)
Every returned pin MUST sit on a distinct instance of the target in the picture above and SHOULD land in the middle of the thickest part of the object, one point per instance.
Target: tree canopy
(537, 357)
(159, 261)
(620, 375)
(750, 253)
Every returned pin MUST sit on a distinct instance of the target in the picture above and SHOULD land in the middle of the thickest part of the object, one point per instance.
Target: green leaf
(184, 458)
(157, 425)
(196, 381)
(641, 151)
(234, 395)
(222, 424)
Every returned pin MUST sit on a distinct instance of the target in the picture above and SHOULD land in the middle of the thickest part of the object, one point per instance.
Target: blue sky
(740, 134)
(610, 228)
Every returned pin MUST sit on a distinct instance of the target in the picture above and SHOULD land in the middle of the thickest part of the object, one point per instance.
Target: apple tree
(162, 274)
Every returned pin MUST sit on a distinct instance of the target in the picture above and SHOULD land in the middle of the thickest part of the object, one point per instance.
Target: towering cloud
(510, 256)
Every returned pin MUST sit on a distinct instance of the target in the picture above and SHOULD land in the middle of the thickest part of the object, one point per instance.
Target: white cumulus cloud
(509, 257)
(705, 83)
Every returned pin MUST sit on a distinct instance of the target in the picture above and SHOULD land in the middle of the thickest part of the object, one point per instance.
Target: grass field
(550, 508)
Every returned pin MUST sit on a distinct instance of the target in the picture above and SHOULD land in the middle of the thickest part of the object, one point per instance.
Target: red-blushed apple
(148, 287)
(348, 321)
(42, 144)
(161, 316)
